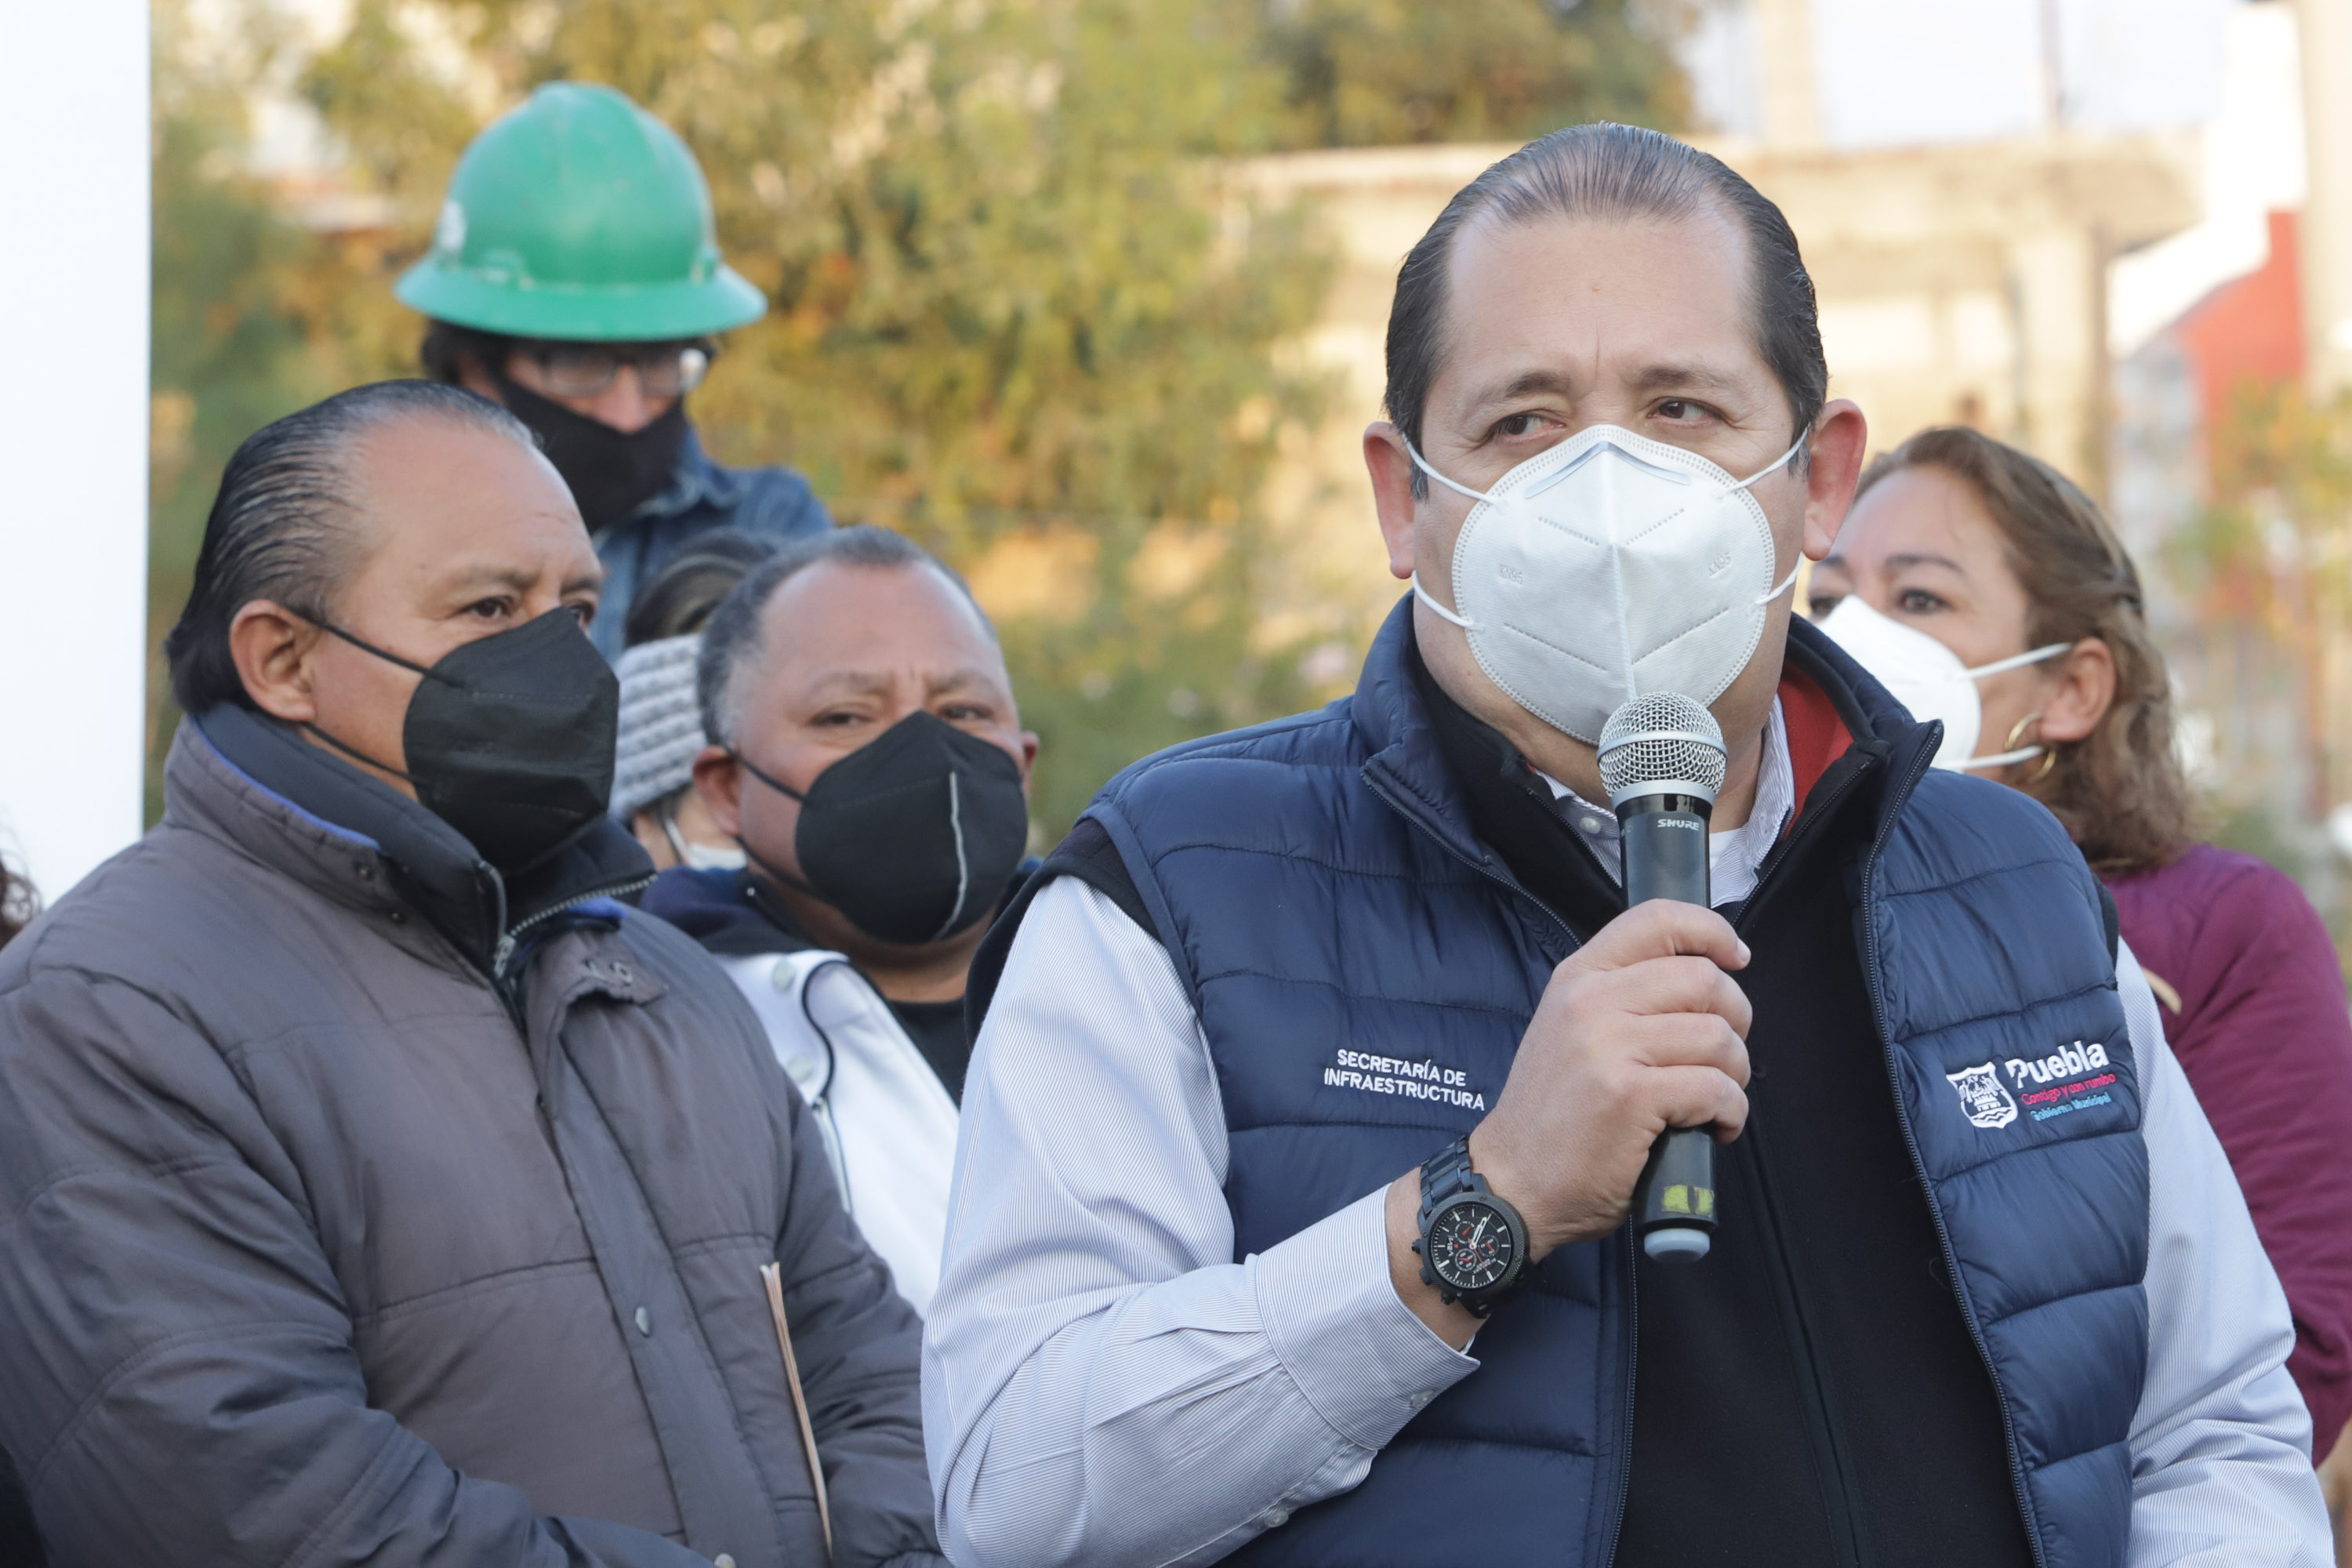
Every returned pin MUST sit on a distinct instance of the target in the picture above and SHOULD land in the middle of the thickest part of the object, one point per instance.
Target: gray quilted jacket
(359, 1208)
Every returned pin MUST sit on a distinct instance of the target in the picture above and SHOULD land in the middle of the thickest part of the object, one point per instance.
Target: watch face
(1471, 1246)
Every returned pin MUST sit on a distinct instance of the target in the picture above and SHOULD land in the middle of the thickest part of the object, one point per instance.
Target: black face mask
(509, 739)
(610, 472)
(914, 837)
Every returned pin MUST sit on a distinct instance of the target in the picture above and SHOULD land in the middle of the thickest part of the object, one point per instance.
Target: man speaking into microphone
(1319, 1067)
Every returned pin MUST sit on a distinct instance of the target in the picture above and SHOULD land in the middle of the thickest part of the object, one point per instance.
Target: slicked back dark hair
(1610, 173)
(284, 525)
(732, 638)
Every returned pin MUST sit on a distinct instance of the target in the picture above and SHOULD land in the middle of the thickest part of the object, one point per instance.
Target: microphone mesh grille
(1664, 738)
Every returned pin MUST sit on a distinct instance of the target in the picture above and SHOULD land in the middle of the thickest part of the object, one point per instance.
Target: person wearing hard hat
(575, 277)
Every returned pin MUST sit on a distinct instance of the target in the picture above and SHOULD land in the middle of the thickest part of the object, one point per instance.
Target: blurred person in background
(18, 901)
(575, 279)
(867, 754)
(661, 727)
(1984, 589)
(380, 1188)
(20, 1543)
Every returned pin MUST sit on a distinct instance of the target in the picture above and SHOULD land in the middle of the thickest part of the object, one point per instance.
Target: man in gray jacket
(377, 1188)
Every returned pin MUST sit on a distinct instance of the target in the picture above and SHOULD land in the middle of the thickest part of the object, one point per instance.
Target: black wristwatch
(1473, 1246)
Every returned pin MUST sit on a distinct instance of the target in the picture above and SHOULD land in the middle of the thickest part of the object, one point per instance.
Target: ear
(718, 780)
(2086, 689)
(1840, 436)
(1028, 758)
(1391, 469)
(273, 649)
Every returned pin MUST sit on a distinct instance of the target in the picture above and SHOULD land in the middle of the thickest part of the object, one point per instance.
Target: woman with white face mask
(1983, 589)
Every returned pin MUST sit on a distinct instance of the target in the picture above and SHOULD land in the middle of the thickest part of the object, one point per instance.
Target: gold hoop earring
(2049, 754)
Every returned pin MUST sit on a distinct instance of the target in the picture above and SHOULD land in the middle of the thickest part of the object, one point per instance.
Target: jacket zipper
(1832, 1452)
(505, 952)
(1782, 853)
(1626, 1416)
(1919, 1164)
(508, 992)
(1820, 812)
(1809, 828)
(1625, 1231)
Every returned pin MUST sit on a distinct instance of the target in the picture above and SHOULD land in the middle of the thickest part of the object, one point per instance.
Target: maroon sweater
(2261, 1030)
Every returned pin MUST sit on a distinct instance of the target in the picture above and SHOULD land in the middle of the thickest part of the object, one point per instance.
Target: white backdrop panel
(73, 431)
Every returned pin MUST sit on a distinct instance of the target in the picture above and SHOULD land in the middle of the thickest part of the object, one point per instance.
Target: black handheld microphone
(1662, 758)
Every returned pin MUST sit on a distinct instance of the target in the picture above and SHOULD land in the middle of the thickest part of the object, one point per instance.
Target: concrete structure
(2325, 36)
(73, 432)
(1789, 75)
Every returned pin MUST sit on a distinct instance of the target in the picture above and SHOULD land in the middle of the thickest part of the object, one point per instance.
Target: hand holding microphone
(1662, 758)
(1636, 1057)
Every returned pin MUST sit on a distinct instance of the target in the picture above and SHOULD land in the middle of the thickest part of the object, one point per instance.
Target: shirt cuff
(1333, 1318)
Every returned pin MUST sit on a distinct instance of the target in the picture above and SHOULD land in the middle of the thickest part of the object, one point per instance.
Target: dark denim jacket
(701, 496)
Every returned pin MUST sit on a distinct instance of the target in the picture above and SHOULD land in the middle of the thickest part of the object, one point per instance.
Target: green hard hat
(579, 215)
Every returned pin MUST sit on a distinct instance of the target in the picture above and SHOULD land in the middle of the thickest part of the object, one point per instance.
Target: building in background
(2230, 438)
(2083, 225)
(1962, 206)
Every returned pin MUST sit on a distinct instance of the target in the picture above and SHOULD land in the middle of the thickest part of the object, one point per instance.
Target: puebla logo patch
(1985, 1101)
(2078, 1076)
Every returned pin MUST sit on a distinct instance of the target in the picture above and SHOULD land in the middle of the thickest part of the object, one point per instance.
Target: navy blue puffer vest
(1363, 967)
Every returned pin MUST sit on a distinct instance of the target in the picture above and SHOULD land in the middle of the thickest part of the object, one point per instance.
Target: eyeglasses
(583, 370)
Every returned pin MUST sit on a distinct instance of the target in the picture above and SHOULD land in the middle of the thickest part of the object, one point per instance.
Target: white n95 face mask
(1928, 678)
(1609, 567)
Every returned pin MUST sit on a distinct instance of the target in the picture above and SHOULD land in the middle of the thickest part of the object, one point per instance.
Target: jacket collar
(1512, 810)
(729, 912)
(1408, 767)
(309, 814)
(1462, 781)
(735, 914)
(1867, 709)
(694, 481)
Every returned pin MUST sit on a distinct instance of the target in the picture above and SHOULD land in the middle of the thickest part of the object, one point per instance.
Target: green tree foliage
(2265, 572)
(1024, 307)
(2271, 555)
(1378, 72)
(228, 352)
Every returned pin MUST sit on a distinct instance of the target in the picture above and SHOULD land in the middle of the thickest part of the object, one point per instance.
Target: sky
(1897, 73)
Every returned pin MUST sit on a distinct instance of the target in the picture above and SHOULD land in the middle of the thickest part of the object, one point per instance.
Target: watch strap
(1445, 1176)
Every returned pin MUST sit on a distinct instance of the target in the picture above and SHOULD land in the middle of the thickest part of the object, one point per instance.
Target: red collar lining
(1817, 736)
